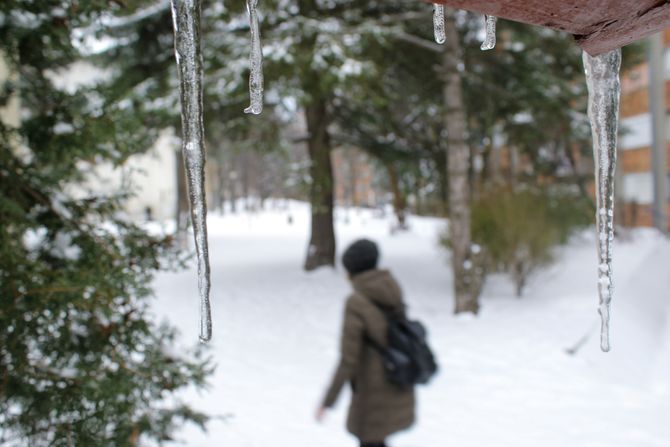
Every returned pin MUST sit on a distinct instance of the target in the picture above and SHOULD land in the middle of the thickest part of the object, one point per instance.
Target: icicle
(255, 62)
(438, 23)
(490, 40)
(186, 18)
(602, 79)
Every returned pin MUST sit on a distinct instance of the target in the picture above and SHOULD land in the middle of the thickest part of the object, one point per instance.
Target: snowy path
(505, 381)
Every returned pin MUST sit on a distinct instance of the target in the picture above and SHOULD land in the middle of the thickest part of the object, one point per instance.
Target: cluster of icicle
(440, 33)
(602, 77)
(602, 73)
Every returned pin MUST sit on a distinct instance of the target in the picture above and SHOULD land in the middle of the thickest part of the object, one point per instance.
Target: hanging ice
(602, 79)
(255, 62)
(490, 39)
(438, 24)
(186, 18)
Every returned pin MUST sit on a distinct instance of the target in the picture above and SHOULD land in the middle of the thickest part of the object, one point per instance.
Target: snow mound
(505, 378)
(640, 314)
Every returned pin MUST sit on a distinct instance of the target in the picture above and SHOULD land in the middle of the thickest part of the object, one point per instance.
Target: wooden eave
(598, 25)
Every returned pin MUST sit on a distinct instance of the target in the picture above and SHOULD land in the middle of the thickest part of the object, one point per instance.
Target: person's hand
(320, 414)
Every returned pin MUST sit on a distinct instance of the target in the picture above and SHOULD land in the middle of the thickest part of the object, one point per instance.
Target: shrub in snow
(515, 231)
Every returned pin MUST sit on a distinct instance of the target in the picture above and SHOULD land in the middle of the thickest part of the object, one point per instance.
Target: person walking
(378, 408)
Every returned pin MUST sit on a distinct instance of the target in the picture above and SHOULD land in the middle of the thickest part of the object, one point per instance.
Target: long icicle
(186, 18)
(490, 40)
(602, 79)
(438, 24)
(255, 62)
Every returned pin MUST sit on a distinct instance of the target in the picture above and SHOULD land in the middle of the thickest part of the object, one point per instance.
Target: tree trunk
(245, 168)
(232, 182)
(399, 204)
(442, 170)
(418, 201)
(520, 276)
(321, 250)
(466, 296)
(495, 175)
(484, 178)
(221, 184)
(352, 178)
(513, 165)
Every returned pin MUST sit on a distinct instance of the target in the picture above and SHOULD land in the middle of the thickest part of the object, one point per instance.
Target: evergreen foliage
(81, 361)
(315, 53)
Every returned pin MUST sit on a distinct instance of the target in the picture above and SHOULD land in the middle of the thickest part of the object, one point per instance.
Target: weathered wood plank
(598, 25)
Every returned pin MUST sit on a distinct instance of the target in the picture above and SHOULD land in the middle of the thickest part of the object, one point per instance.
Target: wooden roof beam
(598, 25)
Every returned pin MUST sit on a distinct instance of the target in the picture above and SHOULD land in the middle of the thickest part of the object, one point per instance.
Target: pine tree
(81, 362)
(314, 52)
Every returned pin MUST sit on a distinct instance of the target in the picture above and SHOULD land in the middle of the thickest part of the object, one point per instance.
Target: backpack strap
(388, 315)
(366, 337)
(379, 348)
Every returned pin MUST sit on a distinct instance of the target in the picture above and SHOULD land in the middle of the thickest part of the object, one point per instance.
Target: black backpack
(408, 360)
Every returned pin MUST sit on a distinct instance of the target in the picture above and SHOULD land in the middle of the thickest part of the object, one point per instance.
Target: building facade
(354, 178)
(635, 188)
(10, 113)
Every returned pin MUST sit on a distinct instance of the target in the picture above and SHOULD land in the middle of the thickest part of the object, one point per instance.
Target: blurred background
(369, 129)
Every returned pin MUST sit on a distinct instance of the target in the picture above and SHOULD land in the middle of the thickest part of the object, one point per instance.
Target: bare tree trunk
(513, 164)
(399, 203)
(220, 182)
(442, 170)
(352, 158)
(465, 290)
(485, 178)
(418, 184)
(233, 174)
(245, 168)
(495, 175)
(321, 250)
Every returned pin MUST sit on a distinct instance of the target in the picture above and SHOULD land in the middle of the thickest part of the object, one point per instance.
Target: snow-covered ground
(505, 380)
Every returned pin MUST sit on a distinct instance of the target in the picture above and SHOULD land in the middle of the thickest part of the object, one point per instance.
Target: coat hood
(380, 287)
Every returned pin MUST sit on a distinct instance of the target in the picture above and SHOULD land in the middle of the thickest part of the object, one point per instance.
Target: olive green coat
(378, 408)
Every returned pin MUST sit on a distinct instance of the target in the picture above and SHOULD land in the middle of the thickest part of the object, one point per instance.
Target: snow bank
(640, 313)
(505, 379)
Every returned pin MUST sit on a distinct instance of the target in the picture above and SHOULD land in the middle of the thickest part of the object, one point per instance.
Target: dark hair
(360, 256)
